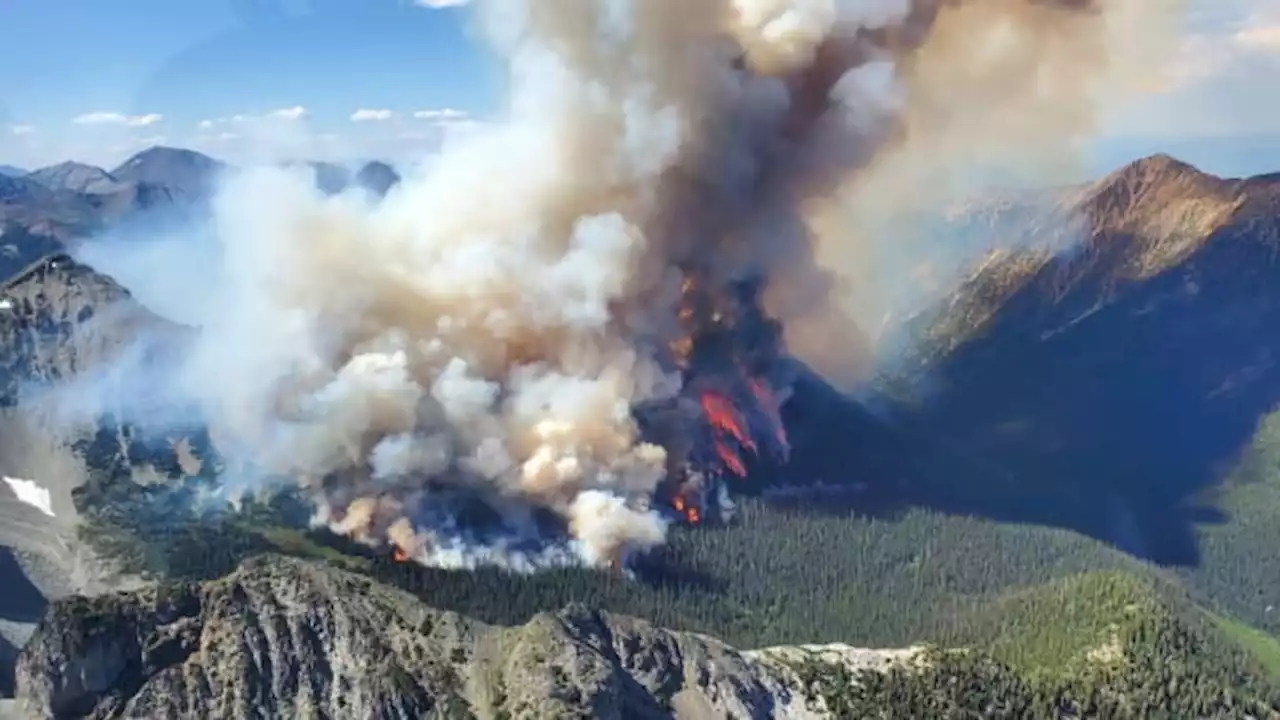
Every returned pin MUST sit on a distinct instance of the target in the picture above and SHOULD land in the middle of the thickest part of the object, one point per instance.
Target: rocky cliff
(59, 318)
(283, 637)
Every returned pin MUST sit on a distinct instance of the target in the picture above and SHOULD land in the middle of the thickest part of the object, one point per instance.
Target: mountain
(12, 171)
(377, 177)
(70, 201)
(64, 319)
(187, 172)
(161, 185)
(331, 179)
(31, 207)
(1121, 357)
(75, 176)
(283, 638)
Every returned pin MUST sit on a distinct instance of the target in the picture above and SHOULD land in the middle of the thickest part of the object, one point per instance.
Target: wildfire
(398, 554)
(726, 424)
(687, 509)
(726, 350)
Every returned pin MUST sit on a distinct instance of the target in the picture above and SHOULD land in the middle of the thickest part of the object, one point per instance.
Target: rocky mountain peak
(282, 637)
(377, 177)
(190, 172)
(75, 176)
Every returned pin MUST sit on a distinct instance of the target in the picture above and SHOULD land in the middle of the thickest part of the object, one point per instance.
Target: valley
(1091, 534)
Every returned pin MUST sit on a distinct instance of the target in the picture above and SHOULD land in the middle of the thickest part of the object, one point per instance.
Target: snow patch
(31, 493)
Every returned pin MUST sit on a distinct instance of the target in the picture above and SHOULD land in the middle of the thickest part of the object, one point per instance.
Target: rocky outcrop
(282, 637)
(59, 318)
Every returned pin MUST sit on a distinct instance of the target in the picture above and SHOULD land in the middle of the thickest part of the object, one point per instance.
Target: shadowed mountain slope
(1103, 387)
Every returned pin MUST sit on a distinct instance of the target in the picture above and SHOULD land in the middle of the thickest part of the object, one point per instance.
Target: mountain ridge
(1140, 349)
(75, 176)
(1089, 379)
(161, 185)
(281, 637)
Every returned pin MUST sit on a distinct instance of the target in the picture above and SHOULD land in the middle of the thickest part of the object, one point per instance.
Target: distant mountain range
(72, 200)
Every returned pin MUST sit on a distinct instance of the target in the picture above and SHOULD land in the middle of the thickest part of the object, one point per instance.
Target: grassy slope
(1263, 646)
(1240, 569)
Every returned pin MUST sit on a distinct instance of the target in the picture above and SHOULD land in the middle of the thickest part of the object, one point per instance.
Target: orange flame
(724, 418)
(682, 348)
(398, 554)
(687, 509)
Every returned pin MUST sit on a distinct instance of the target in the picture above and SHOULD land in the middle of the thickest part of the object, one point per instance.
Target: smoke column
(480, 337)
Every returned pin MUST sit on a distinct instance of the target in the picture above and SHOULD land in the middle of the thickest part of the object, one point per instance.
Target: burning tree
(731, 362)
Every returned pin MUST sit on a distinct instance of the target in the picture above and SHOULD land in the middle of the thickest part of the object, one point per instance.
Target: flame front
(726, 424)
(727, 351)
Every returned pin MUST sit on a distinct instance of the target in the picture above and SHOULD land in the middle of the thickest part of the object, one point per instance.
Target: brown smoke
(1010, 86)
(482, 336)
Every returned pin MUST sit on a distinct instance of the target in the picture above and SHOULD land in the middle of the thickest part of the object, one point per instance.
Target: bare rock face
(59, 318)
(283, 637)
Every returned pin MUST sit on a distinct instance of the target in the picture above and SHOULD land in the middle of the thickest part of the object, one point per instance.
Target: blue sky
(140, 70)
(97, 80)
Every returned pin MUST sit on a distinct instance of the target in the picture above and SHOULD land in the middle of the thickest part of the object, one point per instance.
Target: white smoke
(489, 326)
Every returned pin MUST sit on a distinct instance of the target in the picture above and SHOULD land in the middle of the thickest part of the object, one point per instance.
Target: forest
(1034, 603)
(1170, 672)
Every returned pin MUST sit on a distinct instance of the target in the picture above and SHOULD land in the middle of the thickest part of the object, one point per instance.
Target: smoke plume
(459, 369)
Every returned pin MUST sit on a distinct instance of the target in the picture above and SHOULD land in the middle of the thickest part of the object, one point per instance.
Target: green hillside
(1095, 644)
(1239, 571)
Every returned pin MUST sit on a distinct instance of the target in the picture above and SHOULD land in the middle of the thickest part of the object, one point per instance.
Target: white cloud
(371, 115)
(1218, 84)
(441, 115)
(22, 129)
(297, 112)
(288, 114)
(436, 4)
(1264, 38)
(103, 117)
(143, 120)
